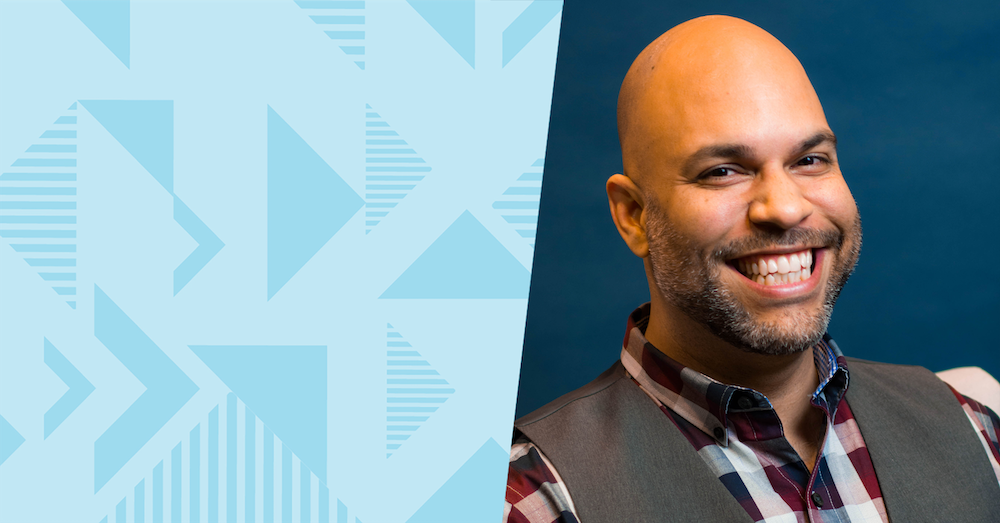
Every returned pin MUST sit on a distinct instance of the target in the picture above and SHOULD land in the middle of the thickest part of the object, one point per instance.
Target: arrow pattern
(79, 388)
(167, 388)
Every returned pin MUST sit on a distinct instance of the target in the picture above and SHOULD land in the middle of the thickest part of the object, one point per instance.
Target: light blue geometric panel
(108, 20)
(285, 386)
(207, 425)
(208, 245)
(167, 388)
(79, 388)
(527, 25)
(414, 390)
(474, 493)
(392, 168)
(38, 205)
(454, 20)
(465, 262)
(307, 202)
(343, 22)
(145, 128)
(519, 203)
(10, 439)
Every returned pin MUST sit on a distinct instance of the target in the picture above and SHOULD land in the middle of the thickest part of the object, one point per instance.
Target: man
(729, 402)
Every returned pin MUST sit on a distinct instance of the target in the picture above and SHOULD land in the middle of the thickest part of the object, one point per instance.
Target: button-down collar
(708, 404)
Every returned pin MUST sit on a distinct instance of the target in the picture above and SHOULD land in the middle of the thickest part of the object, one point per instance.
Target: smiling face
(749, 227)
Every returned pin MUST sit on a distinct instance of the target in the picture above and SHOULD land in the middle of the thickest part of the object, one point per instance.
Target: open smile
(772, 270)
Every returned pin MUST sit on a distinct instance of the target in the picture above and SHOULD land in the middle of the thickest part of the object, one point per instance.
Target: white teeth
(778, 270)
(782, 265)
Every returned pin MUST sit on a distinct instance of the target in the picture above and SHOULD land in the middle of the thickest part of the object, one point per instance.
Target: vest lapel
(623, 460)
(930, 465)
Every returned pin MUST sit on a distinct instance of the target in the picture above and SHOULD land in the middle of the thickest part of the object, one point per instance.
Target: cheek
(834, 199)
(709, 219)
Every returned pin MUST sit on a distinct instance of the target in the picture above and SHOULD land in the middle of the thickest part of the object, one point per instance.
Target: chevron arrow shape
(79, 388)
(167, 388)
(208, 245)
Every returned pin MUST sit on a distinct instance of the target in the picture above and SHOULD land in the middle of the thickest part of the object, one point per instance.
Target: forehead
(763, 109)
(689, 90)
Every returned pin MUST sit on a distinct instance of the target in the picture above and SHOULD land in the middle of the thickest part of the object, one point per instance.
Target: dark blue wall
(912, 91)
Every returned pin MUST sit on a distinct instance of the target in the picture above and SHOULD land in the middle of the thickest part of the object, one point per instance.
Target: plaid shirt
(738, 434)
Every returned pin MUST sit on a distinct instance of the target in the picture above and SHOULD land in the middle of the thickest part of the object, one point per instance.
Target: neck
(788, 381)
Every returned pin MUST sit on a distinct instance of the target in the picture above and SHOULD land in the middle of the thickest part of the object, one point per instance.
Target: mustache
(764, 240)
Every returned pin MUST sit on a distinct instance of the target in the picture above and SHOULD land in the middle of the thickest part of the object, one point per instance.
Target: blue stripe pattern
(38, 201)
(387, 155)
(519, 203)
(343, 22)
(410, 398)
(177, 491)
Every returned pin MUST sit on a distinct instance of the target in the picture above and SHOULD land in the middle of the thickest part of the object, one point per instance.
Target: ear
(627, 205)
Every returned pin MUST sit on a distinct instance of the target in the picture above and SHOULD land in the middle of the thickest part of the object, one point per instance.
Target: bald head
(701, 80)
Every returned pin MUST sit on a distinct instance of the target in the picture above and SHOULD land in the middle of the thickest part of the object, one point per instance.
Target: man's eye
(812, 161)
(720, 172)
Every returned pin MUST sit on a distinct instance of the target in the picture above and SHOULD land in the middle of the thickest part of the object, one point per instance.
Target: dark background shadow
(910, 88)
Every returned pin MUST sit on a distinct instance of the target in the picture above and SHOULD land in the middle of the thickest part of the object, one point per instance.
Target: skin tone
(723, 134)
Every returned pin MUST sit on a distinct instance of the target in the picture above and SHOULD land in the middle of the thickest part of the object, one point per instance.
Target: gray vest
(623, 460)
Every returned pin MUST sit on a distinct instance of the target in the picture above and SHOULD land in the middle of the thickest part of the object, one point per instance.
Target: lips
(776, 269)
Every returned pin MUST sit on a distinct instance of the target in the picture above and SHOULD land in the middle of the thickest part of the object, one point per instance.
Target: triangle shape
(307, 202)
(518, 205)
(454, 21)
(414, 390)
(465, 262)
(108, 20)
(285, 386)
(392, 169)
(474, 493)
(145, 128)
(58, 226)
(10, 440)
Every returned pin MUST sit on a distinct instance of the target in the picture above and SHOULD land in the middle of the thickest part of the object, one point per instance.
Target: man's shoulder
(601, 383)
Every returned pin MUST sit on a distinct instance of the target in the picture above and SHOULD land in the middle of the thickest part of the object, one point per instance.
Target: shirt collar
(705, 402)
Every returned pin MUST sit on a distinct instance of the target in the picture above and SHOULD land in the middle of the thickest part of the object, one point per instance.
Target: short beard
(693, 286)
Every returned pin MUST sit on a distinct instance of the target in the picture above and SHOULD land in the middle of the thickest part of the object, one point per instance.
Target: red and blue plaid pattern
(750, 454)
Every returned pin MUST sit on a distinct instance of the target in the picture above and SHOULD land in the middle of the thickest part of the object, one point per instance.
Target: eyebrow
(745, 151)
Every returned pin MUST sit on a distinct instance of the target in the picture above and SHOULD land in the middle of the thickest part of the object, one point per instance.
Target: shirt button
(817, 499)
(719, 433)
(744, 402)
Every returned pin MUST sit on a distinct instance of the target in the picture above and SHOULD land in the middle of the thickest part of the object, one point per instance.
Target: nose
(778, 200)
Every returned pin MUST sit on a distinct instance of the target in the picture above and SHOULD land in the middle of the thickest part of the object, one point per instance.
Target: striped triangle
(235, 433)
(414, 390)
(392, 168)
(343, 22)
(519, 203)
(38, 206)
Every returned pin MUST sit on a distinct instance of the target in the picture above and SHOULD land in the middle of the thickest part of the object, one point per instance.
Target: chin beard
(703, 298)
